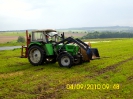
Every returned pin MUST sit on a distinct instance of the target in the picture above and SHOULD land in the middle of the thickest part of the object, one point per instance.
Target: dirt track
(111, 67)
(4, 39)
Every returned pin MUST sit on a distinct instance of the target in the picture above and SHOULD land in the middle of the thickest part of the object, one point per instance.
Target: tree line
(96, 34)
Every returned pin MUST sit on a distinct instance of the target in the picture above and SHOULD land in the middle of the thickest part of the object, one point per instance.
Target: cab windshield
(53, 36)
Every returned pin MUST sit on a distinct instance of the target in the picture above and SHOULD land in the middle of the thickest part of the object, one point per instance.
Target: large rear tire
(36, 55)
(65, 60)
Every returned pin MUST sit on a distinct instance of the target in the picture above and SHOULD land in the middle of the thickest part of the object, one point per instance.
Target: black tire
(43, 61)
(65, 60)
(36, 55)
(53, 60)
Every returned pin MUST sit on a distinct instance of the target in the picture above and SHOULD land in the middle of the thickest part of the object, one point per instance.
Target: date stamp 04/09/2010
(92, 86)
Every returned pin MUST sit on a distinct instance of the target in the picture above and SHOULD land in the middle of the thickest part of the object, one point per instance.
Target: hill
(109, 28)
(89, 29)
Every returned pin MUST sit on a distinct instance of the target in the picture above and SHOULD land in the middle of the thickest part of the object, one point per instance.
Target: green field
(110, 77)
(12, 43)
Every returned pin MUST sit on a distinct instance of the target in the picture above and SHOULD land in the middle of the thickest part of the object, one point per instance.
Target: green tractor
(47, 46)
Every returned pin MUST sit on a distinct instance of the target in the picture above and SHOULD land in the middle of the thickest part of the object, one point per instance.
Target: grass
(20, 80)
(12, 43)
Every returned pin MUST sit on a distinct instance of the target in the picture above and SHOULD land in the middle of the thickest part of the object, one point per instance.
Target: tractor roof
(45, 30)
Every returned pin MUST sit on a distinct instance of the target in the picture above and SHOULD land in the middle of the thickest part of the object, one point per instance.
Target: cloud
(23, 14)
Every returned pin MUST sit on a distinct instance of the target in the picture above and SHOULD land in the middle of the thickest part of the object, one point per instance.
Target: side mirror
(62, 36)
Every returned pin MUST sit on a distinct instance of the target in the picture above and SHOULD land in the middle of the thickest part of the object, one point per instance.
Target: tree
(21, 39)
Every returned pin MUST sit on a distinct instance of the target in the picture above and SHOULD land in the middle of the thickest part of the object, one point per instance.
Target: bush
(21, 39)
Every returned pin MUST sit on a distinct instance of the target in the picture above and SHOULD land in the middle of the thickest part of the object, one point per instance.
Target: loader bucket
(90, 54)
(95, 53)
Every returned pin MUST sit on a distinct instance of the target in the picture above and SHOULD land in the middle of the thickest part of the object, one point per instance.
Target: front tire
(36, 55)
(65, 60)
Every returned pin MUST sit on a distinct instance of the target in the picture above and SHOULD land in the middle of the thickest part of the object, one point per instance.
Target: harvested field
(4, 39)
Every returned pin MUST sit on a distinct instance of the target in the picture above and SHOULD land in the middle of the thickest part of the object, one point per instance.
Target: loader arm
(82, 42)
(94, 51)
(78, 42)
(91, 52)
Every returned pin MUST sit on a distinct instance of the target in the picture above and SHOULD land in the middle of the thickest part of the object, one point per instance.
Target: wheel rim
(65, 61)
(35, 55)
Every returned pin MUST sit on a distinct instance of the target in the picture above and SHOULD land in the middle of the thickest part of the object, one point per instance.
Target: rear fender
(36, 43)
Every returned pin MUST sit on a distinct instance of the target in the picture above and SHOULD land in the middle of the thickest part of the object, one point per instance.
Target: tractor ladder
(24, 50)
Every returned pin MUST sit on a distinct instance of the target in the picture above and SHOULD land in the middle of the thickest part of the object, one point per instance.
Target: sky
(59, 14)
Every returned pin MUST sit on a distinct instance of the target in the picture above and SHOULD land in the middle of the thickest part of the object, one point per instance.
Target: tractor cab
(45, 36)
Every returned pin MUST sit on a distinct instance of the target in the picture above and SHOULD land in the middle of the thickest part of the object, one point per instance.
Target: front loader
(47, 46)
